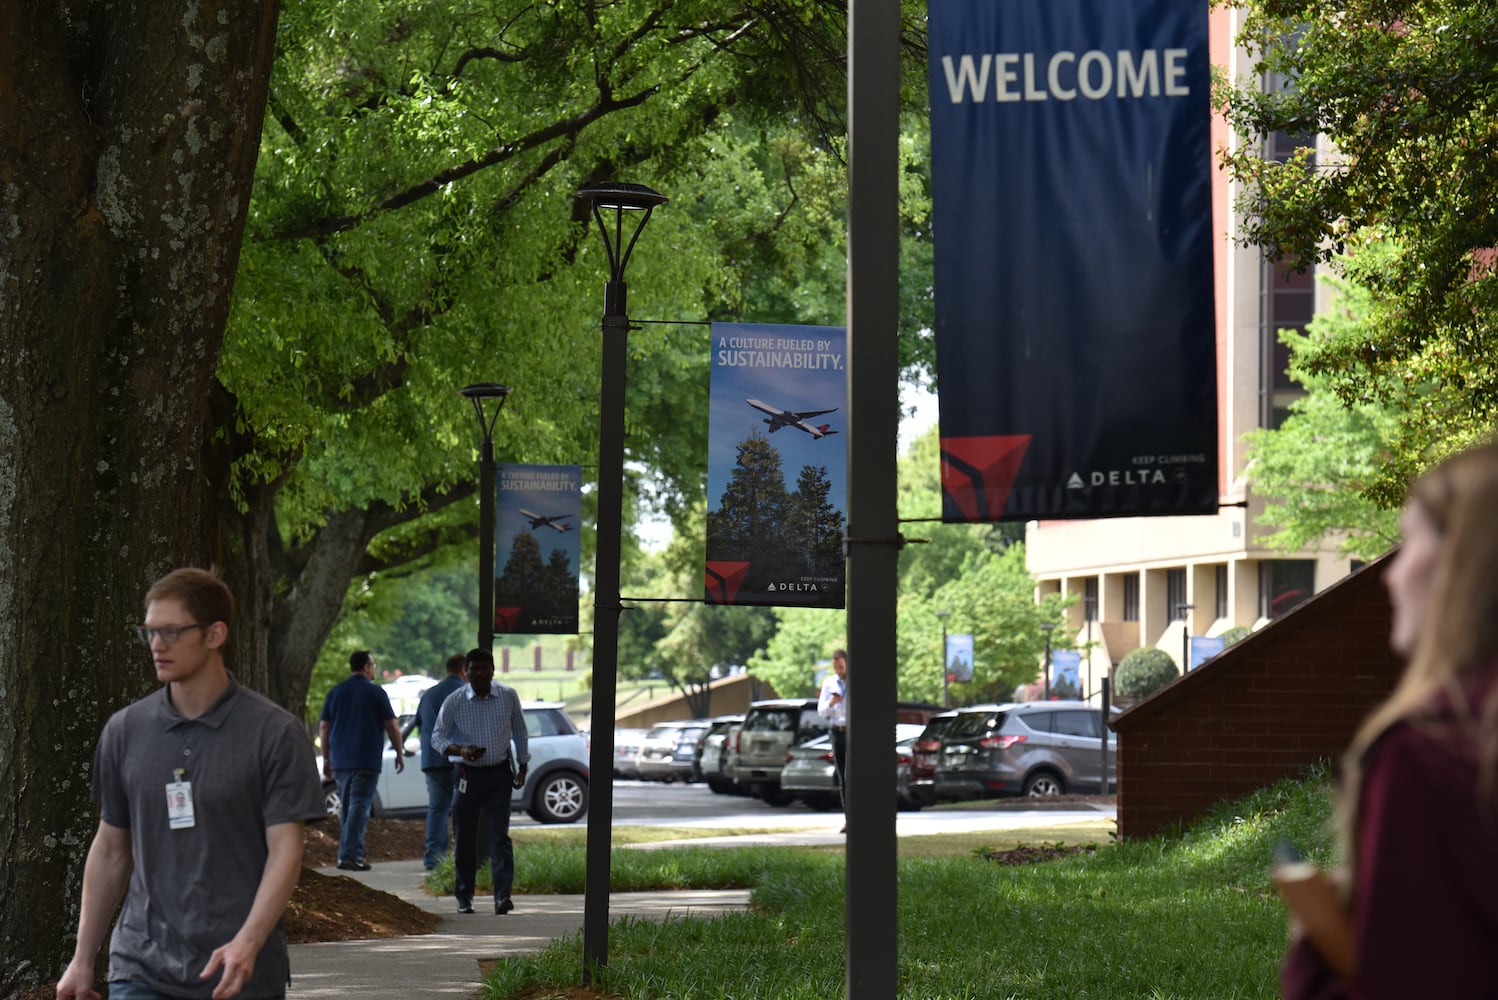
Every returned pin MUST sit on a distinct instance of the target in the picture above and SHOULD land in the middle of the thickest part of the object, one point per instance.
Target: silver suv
(769, 731)
(1039, 748)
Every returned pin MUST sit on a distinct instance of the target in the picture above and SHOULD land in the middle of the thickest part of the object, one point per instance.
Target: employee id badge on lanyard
(179, 803)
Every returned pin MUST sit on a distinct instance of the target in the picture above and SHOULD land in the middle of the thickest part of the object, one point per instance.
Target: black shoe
(353, 866)
(503, 906)
(465, 906)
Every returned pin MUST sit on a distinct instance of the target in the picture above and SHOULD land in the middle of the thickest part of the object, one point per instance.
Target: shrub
(1235, 634)
(1144, 671)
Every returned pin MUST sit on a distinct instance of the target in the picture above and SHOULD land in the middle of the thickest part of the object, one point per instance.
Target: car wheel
(330, 800)
(1043, 785)
(560, 797)
(775, 797)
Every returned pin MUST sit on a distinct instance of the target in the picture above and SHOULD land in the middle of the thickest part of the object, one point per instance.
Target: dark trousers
(840, 761)
(488, 791)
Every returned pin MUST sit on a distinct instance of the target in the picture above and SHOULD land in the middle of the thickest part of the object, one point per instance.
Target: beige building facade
(1156, 581)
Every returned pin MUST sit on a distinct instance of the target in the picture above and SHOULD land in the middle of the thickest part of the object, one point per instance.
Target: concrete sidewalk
(446, 963)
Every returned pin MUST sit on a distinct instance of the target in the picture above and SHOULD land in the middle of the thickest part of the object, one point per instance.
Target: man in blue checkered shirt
(478, 722)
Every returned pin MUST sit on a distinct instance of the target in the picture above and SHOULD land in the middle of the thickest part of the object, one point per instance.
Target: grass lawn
(1190, 915)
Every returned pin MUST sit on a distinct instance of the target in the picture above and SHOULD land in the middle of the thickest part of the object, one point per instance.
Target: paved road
(644, 803)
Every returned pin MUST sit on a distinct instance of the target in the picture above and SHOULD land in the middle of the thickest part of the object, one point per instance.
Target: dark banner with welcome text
(1071, 186)
(777, 466)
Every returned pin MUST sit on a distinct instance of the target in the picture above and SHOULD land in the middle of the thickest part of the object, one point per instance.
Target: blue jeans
(440, 783)
(355, 797)
(123, 989)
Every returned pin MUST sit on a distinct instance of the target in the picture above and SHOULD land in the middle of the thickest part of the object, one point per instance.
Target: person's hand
(237, 960)
(471, 753)
(327, 769)
(77, 983)
(400, 761)
(834, 699)
(1318, 912)
(520, 775)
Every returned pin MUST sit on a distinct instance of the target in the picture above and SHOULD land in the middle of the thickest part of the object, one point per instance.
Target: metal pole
(486, 546)
(606, 611)
(1107, 708)
(872, 948)
(1047, 630)
(1185, 610)
(946, 698)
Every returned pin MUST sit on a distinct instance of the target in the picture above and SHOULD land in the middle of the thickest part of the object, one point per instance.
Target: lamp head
(477, 394)
(620, 196)
(485, 390)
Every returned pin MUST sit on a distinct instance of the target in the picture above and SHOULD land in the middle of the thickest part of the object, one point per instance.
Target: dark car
(1040, 749)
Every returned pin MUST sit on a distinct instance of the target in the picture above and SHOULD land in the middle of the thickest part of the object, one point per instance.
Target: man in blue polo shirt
(353, 715)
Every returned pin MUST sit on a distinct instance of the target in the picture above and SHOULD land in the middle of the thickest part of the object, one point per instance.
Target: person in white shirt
(832, 705)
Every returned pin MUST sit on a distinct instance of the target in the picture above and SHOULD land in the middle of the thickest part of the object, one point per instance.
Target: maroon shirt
(1425, 904)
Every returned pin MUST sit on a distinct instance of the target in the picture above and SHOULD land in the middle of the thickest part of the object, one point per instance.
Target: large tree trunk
(128, 137)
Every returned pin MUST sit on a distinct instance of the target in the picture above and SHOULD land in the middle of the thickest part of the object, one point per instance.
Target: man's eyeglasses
(170, 633)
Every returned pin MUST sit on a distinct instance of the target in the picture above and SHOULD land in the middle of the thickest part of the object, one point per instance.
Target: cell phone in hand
(1289, 863)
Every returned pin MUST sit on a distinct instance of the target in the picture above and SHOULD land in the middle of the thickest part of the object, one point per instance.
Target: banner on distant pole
(777, 466)
(1071, 189)
(960, 657)
(536, 548)
(1066, 674)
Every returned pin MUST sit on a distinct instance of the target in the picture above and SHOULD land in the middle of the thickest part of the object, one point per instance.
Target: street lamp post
(1183, 610)
(1048, 628)
(1089, 605)
(946, 699)
(478, 395)
(619, 199)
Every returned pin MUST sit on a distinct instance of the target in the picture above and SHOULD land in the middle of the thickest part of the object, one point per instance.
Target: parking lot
(640, 803)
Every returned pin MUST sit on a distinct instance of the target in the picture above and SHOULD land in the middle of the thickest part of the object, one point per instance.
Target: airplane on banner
(545, 521)
(779, 418)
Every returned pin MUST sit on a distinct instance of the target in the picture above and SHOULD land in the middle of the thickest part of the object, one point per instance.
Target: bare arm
(393, 730)
(324, 731)
(106, 873)
(283, 866)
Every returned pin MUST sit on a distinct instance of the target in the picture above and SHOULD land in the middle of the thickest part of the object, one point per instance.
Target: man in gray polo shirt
(203, 788)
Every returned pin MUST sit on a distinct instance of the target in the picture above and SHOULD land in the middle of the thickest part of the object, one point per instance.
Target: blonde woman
(1416, 912)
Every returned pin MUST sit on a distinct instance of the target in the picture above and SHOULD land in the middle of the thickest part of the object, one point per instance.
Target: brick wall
(1291, 693)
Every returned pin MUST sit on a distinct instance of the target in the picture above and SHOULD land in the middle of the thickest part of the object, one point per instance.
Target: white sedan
(555, 790)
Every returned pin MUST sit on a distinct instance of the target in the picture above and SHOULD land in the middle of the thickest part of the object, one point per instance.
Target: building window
(1220, 591)
(1131, 597)
(1175, 594)
(1287, 298)
(1284, 584)
(1089, 600)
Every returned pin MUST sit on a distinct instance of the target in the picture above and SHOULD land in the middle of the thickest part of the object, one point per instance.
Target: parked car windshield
(804, 723)
(969, 724)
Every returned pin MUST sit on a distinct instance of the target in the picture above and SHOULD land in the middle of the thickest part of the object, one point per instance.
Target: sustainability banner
(536, 548)
(1071, 186)
(776, 469)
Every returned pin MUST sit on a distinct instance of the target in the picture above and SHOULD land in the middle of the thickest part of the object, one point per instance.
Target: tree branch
(568, 127)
